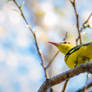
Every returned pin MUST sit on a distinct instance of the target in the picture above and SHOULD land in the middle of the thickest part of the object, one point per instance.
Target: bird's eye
(65, 42)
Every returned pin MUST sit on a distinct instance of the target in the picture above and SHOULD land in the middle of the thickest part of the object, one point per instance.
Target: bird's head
(63, 46)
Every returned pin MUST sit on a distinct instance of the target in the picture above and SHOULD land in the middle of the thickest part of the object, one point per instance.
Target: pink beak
(53, 43)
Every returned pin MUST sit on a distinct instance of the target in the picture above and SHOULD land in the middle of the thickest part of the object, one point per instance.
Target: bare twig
(34, 35)
(77, 19)
(65, 38)
(52, 60)
(85, 22)
(65, 85)
(88, 86)
(66, 75)
(83, 25)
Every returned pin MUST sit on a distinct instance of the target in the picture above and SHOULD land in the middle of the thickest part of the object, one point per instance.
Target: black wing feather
(75, 49)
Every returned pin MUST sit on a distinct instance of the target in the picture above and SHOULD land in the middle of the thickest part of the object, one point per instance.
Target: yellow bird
(75, 55)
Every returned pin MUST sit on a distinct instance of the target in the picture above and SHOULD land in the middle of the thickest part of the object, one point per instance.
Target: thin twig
(65, 85)
(34, 35)
(85, 22)
(77, 19)
(65, 38)
(87, 86)
(83, 25)
(52, 60)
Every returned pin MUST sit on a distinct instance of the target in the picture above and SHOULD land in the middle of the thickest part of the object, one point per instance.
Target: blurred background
(20, 64)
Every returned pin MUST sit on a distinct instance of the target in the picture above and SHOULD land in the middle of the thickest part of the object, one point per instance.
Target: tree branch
(77, 19)
(64, 76)
(65, 85)
(34, 35)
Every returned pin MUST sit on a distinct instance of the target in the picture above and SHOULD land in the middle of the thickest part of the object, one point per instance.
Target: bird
(74, 55)
(63, 46)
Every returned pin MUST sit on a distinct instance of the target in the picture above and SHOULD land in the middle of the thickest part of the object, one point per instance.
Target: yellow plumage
(75, 55)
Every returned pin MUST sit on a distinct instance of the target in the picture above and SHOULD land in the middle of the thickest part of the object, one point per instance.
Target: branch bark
(64, 76)
(77, 19)
(65, 85)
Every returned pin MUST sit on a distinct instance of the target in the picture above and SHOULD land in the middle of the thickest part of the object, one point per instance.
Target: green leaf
(89, 75)
(86, 26)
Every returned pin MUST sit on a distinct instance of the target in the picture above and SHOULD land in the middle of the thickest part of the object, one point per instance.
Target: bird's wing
(75, 49)
(74, 53)
(72, 50)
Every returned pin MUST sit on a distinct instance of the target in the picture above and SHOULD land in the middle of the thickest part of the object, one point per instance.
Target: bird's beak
(53, 43)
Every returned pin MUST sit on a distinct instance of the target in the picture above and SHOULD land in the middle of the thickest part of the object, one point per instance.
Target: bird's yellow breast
(76, 56)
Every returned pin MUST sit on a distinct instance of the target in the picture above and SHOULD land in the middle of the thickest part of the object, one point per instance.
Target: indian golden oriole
(75, 55)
